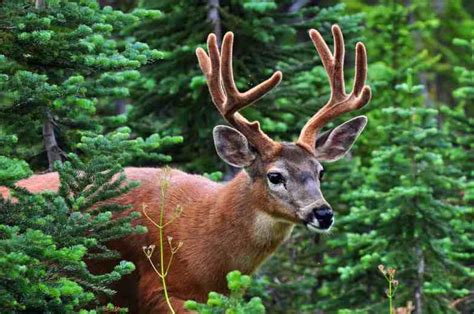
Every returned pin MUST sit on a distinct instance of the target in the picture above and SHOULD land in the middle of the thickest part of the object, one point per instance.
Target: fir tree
(234, 303)
(401, 217)
(61, 63)
(45, 238)
(307, 267)
(458, 123)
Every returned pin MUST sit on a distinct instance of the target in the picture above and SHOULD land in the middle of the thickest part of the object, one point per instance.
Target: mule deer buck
(237, 225)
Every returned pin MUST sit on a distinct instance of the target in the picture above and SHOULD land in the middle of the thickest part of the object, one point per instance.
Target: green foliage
(24, 272)
(214, 176)
(461, 121)
(12, 170)
(232, 304)
(459, 125)
(339, 271)
(118, 145)
(45, 238)
(65, 62)
(408, 195)
(403, 215)
(404, 195)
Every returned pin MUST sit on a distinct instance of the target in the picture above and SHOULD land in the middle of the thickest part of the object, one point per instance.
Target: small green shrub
(232, 304)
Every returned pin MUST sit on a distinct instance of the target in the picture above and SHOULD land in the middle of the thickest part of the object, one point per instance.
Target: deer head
(289, 173)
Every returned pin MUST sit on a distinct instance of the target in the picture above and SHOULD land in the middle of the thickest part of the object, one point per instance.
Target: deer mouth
(315, 226)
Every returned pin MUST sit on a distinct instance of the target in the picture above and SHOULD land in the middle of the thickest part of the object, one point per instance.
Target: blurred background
(403, 197)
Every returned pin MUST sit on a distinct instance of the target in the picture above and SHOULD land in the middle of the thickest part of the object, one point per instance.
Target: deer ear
(335, 143)
(233, 147)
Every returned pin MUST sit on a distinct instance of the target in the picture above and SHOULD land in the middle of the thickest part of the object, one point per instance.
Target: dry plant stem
(163, 271)
(390, 297)
(389, 275)
(163, 274)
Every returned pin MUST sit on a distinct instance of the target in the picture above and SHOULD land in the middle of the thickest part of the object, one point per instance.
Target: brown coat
(219, 229)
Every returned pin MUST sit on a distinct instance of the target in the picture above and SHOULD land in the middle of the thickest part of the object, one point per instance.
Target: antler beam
(339, 101)
(228, 99)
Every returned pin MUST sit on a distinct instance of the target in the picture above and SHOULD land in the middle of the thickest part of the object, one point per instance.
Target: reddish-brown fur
(217, 227)
(223, 227)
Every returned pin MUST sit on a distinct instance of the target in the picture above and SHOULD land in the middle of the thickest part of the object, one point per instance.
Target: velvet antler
(339, 101)
(227, 98)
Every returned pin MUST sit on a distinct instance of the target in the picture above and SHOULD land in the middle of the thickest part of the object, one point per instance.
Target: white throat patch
(268, 229)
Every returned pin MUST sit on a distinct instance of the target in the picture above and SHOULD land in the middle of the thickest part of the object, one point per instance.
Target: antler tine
(210, 66)
(227, 98)
(339, 101)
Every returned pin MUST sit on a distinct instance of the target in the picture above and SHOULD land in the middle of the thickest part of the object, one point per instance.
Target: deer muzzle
(319, 218)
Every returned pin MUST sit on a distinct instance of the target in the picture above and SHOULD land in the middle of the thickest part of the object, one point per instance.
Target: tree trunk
(120, 106)
(297, 5)
(215, 18)
(419, 280)
(49, 139)
(439, 6)
(50, 143)
(40, 4)
(421, 75)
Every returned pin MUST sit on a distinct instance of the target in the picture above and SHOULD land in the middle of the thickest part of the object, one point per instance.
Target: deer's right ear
(233, 147)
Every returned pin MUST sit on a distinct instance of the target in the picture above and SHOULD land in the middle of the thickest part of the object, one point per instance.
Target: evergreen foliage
(404, 216)
(319, 268)
(61, 64)
(232, 304)
(46, 238)
(460, 122)
(459, 125)
(71, 71)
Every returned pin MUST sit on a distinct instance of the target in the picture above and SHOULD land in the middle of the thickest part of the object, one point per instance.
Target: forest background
(91, 87)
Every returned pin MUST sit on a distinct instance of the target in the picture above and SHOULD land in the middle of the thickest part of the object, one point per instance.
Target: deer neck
(252, 233)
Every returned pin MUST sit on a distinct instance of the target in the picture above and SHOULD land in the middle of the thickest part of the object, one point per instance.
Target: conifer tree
(46, 238)
(458, 123)
(313, 266)
(459, 120)
(61, 63)
(368, 235)
(402, 217)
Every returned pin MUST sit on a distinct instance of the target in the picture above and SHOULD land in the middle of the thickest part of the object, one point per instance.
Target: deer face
(289, 173)
(292, 178)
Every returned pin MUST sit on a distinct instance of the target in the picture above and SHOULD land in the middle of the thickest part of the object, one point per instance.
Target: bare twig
(163, 270)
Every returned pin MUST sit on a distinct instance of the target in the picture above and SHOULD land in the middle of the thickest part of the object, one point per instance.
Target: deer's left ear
(335, 143)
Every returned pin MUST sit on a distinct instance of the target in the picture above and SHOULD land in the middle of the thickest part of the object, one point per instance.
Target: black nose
(324, 215)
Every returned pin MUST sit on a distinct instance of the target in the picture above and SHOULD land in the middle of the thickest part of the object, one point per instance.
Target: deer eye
(275, 178)
(321, 174)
